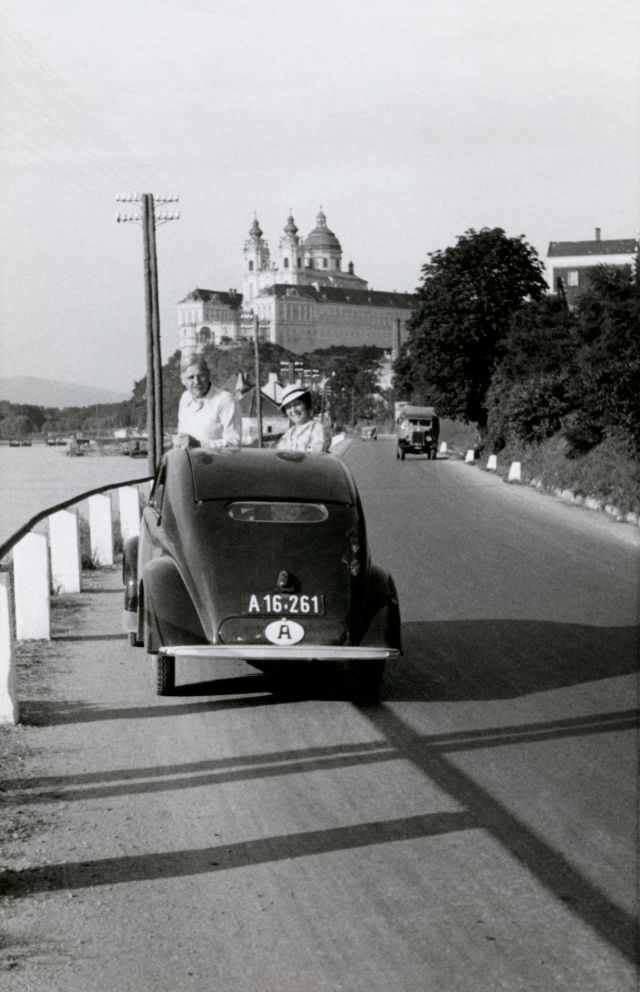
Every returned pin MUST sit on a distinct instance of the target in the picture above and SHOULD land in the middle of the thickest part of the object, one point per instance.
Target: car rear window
(262, 512)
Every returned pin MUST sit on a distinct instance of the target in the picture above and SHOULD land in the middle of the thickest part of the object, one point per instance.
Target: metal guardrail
(7, 546)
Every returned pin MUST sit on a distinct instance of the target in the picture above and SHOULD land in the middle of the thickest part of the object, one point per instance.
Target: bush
(526, 411)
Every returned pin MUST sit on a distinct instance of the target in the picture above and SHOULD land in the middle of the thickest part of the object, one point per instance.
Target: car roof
(418, 411)
(264, 473)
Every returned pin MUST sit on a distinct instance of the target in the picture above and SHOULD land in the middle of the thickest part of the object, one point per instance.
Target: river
(32, 479)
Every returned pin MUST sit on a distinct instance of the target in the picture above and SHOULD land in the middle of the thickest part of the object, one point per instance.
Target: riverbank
(34, 478)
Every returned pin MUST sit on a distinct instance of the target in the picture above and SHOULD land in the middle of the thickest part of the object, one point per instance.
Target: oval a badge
(284, 632)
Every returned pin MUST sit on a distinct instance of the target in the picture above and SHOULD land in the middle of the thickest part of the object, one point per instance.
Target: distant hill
(50, 392)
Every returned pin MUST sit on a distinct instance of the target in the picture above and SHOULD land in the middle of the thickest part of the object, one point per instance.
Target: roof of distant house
(229, 297)
(615, 246)
(249, 407)
(336, 294)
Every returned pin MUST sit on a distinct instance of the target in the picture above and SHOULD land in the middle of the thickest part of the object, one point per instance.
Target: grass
(608, 473)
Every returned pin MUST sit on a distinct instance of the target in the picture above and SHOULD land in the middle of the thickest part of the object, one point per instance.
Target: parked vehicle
(74, 448)
(260, 555)
(418, 431)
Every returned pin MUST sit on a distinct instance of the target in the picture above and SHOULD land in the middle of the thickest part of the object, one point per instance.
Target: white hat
(292, 393)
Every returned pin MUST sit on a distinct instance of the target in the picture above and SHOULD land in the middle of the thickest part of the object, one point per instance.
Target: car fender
(130, 574)
(381, 626)
(169, 614)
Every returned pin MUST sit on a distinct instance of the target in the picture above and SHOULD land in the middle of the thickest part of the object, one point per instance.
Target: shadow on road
(396, 740)
(503, 659)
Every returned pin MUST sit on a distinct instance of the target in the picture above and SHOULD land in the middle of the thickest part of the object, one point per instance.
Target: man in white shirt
(207, 417)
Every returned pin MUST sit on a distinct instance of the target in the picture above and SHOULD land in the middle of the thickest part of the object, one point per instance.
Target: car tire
(365, 680)
(403, 454)
(164, 667)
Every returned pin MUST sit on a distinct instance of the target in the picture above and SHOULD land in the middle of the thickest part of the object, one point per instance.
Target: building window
(250, 266)
(573, 278)
(286, 263)
(325, 263)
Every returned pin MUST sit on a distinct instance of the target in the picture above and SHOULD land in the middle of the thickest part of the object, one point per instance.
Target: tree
(468, 298)
(607, 359)
(16, 426)
(533, 387)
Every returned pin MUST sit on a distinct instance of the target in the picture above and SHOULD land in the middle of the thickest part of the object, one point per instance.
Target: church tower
(257, 264)
(290, 254)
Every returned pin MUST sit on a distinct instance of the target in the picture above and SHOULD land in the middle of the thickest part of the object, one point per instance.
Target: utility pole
(150, 219)
(256, 346)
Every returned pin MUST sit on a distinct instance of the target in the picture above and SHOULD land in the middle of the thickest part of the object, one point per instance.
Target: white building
(301, 296)
(570, 263)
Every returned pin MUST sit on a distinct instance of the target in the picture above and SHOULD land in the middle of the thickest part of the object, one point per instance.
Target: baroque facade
(302, 297)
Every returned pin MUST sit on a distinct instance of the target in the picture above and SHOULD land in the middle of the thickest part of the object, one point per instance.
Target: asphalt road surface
(474, 831)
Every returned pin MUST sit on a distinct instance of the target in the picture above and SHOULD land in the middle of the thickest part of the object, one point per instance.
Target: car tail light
(352, 557)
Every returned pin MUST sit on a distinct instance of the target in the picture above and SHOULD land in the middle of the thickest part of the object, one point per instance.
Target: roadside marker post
(515, 472)
(31, 588)
(65, 552)
(9, 711)
(101, 530)
(129, 507)
(492, 463)
(469, 457)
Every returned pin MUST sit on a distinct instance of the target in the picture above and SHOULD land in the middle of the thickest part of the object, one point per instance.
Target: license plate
(291, 604)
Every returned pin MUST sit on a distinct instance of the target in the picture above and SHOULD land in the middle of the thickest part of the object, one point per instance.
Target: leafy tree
(528, 409)
(16, 426)
(533, 387)
(469, 295)
(608, 359)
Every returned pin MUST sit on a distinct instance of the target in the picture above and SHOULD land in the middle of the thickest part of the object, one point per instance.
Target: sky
(407, 122)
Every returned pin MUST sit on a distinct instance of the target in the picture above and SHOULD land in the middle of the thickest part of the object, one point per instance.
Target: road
(475, 831)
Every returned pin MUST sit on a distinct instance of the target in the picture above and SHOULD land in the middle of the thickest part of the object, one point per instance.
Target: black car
(259, 555)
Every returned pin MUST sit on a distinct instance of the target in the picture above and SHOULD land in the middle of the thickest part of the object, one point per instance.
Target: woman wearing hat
(304, 433)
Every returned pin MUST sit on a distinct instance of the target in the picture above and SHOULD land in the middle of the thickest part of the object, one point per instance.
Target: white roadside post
(443, 448)
(129, 507)
(492, 463)
(65, 552)
(101, 530)
(515, 472)
(9, 712)
(469, 457)
(31, 588)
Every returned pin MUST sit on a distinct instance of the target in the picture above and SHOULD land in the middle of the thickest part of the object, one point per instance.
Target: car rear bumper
(267, 652)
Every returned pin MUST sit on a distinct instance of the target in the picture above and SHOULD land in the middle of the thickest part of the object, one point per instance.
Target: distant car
(369, 433)
(418, 432)
(259, 555)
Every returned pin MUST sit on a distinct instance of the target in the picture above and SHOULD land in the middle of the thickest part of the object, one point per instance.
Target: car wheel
(365, 679)
(164, 667)
(402, 455)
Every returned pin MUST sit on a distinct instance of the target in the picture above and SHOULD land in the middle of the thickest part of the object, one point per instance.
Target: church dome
(255, 230)
(321, 238)
(290, 227)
